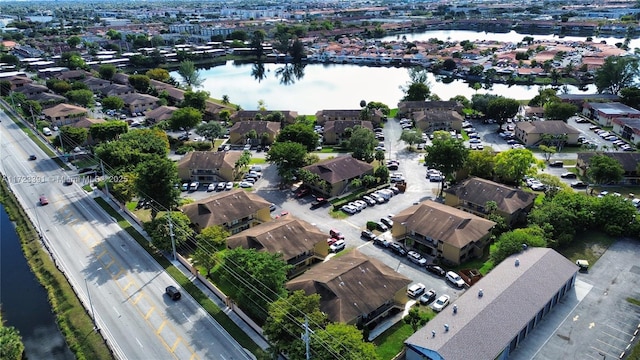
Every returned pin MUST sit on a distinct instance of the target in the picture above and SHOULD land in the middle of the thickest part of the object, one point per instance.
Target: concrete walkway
(255, 336)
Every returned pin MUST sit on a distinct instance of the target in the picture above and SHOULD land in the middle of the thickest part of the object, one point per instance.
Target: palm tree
(189, 74)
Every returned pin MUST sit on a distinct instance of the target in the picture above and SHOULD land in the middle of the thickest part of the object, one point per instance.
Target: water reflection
(258, 72)
(290, 73)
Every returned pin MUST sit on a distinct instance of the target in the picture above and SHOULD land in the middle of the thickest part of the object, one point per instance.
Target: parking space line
(608, 345)
(603, 353)
(618, 330)
(613, 336)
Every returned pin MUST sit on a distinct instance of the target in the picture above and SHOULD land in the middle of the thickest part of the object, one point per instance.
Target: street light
(93, 315)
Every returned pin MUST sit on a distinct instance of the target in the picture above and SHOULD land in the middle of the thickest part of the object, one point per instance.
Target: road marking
(613, 336)
(135, 301)
(176, 343)
(575, 318)
(116, 311)
(618, 330)
(602, 352)
(592, 325)
(609, 345)
(153, 308)
(139, 343)
(159, 330)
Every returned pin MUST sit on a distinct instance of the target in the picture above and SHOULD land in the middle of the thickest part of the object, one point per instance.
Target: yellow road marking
(153, 308)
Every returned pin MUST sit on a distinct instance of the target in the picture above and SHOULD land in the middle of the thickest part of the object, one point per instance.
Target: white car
(455, 279)
(194, 186)
(355, 205)
(245, 184)
(229, 186)
(247, 147)
(220, 186)
(211, 187)
(440, 303)
(416, 258)
(349, 209)
(362, 203)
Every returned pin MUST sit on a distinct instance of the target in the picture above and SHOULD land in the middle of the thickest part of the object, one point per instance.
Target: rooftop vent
(517, 262)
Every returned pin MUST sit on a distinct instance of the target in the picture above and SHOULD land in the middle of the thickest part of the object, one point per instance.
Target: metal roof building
(499, 311)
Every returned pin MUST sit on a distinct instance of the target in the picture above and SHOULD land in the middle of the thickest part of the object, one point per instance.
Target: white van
(46, 131)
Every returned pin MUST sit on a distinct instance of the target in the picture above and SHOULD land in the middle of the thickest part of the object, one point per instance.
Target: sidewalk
(255, 336)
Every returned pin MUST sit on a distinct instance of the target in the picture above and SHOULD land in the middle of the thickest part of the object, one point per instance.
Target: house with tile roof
(472, 196)
(137, 102)
(252, 115)
(407, 108)
(334, 129)
(31, 89)
(604, 113)
(499, 311)
(628, 160)
(208, 166)
(18, 81)
(234, 210)
(323, 116)
(160, 113)
(300, 243)
(95, 84)
(434, 120)
(64, 114)
(354, 288)
(116, 90)
(530, 133)
(73, 75)
(47, 99)
(239, 131)
(337, 173)
(442, 231)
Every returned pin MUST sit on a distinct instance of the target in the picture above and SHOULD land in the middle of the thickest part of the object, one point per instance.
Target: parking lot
(594, 321)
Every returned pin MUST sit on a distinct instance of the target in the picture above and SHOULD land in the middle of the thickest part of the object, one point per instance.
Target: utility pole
(106, 182)
(173, 239)
(93, 315)
(306, 337)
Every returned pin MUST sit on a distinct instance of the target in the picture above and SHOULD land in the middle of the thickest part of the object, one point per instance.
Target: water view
(25, 305)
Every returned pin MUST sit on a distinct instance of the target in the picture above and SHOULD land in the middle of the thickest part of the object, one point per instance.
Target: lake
(336, 86)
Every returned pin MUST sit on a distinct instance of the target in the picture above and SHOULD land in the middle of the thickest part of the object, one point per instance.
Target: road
(122, 286)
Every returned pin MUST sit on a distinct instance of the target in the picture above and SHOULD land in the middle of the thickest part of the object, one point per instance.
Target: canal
(25, 305)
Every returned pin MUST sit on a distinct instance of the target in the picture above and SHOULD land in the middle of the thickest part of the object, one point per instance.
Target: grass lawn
(623, 190)
(84, 163)
(131, 205)
(87, 188)
(392, 113)
(588, 246)
(338, 214)
(390, 342)
(257, 161)
(217, 143)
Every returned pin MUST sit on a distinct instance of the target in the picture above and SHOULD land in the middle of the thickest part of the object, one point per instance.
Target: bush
(183, 150)
(199, 145)
(372, 225)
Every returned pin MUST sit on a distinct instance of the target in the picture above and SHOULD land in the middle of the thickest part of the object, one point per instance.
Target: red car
(43, 200)
(303, 192)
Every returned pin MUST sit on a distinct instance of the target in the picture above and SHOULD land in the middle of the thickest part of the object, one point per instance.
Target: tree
(288, 157)
(449, 65)
(72, 60)
(630, 96)
(481, 102)
(362, 143)
(559, 111)
(107, 71)
(446, 154)
(512, 165)
(548, 151)
(243, 161)
(225, 99)
(544, 97)
(615, 215)
(190, 75)
(376, 105)
(210, 240)
(481, 163)
(604, 169)
(156, 179)
(466, 103)
(502, 109)
(11, 346)
(511, 242)
(195, 99)
(257, 38)
(159, 229)
(341, 341)
(158, 74)
(561, 216)
(286, 319)
(108, 131)
(211, 130)
(417, 88)
(112, 103)
(616, 74)
(140, 82)
(73, 136)
(74, 41)
(185, 119)
(411, 136)
(379, 155)
(300, 133)
(80, 97)
(416, 318)
(257, 279)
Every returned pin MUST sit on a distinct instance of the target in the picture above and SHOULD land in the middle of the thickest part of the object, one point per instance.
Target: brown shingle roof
(209, 159)
(437, 116)
(64, 110)
(350, 285)
(243, 127)
(224, 208)
(87, 122)
(553, 127)
(628, 160)
(446, 223)
(137, 98)
(32, 88)
(339, 126)
(478, 191)
(287, 235)
(339, 169)
(160, 113)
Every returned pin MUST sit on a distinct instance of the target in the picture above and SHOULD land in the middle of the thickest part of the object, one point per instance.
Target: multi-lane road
(122, 286)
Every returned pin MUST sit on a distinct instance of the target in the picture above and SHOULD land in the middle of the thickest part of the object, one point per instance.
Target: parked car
(361, 204)
(381, 227)
(336, 234)
(337, 246)
(436, 270)
(185, 187)
(228, 186)
(220, 186)
(194, 186)
(318, 203)
(556, 163)
(272, 207)
(211, 187)
(381, 242)
(441, 303)
(568, 175)
(579, 185)
(398, 249)
(369, 200)
(304, 191)
(245, 184)
(428, 297)
(416, 290)
(387, 222)
(367, 234)
(349, 209)
(416, 258)
(455, 279)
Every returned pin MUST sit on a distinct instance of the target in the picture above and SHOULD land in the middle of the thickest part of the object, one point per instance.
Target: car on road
(398, 249)
(416, 258)
(428, 297)
(43, 200)
(441, 303)
(67, 181)
(367, 234)
(436, 270)
(32, 157)
(245, 184)
(579, 185)
(229, 185)
(416, 290)
(569, 175)
(556, 163)
(173, 292)
(455, 279)
(211, 187)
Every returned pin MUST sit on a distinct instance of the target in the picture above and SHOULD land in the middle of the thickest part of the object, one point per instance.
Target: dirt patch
(597, 249)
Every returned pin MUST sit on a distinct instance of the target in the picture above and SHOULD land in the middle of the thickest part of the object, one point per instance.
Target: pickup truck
(318, 203)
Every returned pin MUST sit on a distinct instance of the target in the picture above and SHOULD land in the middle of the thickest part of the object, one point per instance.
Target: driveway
(594, 321)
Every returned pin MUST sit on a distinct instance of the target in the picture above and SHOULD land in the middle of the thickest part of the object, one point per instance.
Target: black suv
(398, 249)
(367, 234)
(436, 270)
(173, 293)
